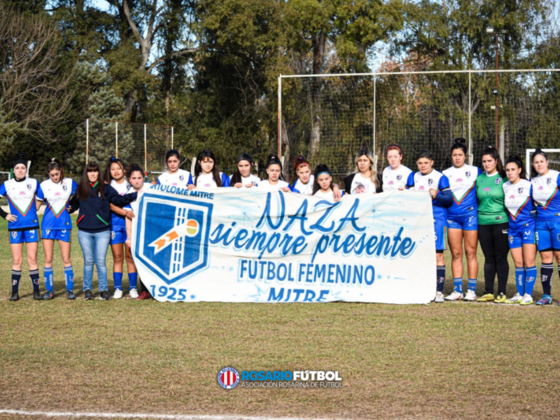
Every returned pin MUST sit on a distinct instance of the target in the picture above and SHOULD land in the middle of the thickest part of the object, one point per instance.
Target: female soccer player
(93, 197)
(429, 180)
(206, 173)
(24, 197)
(274, 173)
(493, 225)
(57, 225)
(463, 220)
(519, 202)
(323, 185)
(364, 181)
(115, 176)
(545, 184)
(135, 175)
(243, 177)
(174, 175)
(304, 180)
(395, 176)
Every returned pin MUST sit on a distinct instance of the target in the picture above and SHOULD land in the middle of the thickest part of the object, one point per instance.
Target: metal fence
(328, 118)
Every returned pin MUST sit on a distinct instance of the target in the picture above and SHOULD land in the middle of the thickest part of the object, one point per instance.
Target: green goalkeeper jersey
(490, 195)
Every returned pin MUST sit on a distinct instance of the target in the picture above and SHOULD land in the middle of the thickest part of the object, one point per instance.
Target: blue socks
(520, 280)
(530, 277)
(133, 280)
(472, 285)
(48, 275)
(117, 280)
(458, 284)
(16, 277)
(440, 277)
(69, 277)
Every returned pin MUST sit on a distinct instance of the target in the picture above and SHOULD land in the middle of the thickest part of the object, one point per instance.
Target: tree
(32, 83)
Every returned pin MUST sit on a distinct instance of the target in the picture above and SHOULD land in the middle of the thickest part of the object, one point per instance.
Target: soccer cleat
(118, 294)
(439, 297)
(37, 295)
(14, 297)
(501, 298)
(545, 300)
(133, 293)
(104, 295)
(527, 300)
(515, 299)
(454, 296)
(70, 295)
(144, 295)
(470, 296)
(88, 295)
(488, 297)
(48, 295)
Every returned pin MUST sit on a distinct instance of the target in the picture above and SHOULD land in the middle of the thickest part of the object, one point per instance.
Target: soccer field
(451, 360)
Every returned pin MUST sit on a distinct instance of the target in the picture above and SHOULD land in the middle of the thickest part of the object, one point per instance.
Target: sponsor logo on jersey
(498, 181)
(430, 181)
(459, 180)
(181, 177)
(548, 181)
(520, 190)
(228, 378)
(511, 197)
(29, 186)
(399, 177)
(172, 239)
(468, 174)
(64, 187)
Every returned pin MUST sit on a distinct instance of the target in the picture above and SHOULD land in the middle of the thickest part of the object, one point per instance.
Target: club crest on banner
(172, 236)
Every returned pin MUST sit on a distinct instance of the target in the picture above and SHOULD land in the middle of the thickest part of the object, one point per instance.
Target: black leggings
(494, 243)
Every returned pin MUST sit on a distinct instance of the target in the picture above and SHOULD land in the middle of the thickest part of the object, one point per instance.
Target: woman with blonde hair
(364, 181)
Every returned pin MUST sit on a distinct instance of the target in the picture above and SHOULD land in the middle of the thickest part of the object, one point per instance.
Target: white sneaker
(454, 296)
(515, 299)
(133, 293)
(470, 296)
(118, 294)
(439, 297)
(527, 299)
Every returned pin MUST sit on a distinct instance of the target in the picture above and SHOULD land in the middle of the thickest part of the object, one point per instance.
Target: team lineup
(500, 206)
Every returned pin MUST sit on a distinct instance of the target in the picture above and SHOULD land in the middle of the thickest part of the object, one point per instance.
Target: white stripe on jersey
(178, 179)
(305, 189)
(266, 185)
(393, 179)
(57, 195)
(516, 195)
(545, 186)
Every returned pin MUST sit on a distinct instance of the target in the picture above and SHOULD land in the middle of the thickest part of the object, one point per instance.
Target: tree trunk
(318, 42)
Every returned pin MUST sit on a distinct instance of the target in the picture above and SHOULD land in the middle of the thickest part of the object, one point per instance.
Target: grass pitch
(467, 360)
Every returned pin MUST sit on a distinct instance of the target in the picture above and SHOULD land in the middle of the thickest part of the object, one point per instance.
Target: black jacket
(95, 213)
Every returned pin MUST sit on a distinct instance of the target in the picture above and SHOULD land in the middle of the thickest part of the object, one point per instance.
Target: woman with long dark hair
(206, 172)
(243, 177)
(493, 225)
(174, 175)
(93, 198)
(545, 184)
(57, 225)
(462, 217)
(522, 223)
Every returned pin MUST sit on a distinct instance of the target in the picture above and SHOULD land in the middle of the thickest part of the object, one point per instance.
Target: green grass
(453, 360)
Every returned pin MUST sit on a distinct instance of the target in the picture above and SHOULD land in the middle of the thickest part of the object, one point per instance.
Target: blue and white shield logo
(172, 236)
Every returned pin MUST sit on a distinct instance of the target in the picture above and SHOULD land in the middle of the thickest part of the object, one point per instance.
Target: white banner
(250, 245)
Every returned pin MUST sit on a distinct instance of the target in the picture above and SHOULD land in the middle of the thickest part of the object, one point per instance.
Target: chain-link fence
(330, 117)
